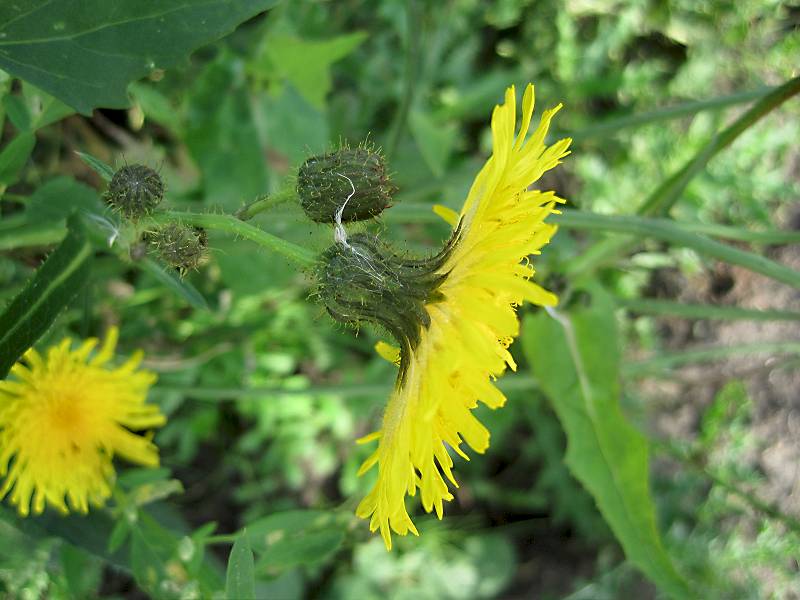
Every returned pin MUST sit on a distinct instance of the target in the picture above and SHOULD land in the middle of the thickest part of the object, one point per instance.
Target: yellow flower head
(64, 416)
(469, 321)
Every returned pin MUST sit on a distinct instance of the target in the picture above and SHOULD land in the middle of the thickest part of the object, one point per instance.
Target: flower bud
(180, 246)
(135, 191)
(355, 178)
(364, 281)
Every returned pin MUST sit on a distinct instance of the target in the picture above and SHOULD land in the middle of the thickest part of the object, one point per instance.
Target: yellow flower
(63, 417)
(472, 321)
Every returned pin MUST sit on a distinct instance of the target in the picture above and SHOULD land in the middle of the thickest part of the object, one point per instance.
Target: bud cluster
(135, 191)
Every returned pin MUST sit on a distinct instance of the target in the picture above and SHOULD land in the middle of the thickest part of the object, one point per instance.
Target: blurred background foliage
(265, 395)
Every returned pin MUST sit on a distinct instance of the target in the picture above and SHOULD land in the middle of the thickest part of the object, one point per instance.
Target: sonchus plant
(453, 315)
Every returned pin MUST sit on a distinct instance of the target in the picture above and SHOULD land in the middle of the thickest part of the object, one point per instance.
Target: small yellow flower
(472, 321)
(63, 417)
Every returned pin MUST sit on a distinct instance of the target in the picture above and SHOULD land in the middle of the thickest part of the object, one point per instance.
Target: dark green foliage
(46, 294)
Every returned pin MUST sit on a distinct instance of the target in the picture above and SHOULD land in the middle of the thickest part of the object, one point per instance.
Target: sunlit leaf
(577, 363)
(240, 581)
(86, 52)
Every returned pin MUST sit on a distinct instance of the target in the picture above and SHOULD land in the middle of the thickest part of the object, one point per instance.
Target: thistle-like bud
(352, 178)
(363, 280)
(135, 191)
(180, 246)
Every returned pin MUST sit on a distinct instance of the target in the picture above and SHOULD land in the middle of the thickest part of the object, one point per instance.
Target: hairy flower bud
(135, 191)
(180, 246)
(353, 178)
(363, 280)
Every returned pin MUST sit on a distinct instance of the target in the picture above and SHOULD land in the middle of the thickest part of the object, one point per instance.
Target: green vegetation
(649, 444)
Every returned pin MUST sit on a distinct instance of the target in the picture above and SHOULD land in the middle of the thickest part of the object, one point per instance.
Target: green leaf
(306, 63)
(295, 537)
(52, 288)
(89, 532)
(434, 140)
(85, 52)
(170, 279)
(604, 452)
(27, 235)
(43, 108)
(14, 156)
(676, 234)
(240, 583)
(218, 126)
(292, 127)
(58, 198)
(147, 566)
(81, 571)
(105, 171)
(671, 190)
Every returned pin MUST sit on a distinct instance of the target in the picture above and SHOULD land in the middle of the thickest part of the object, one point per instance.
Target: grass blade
(669, 192)
(684, 109)
(646, 306)
(51, 289)
(105, 171)
(669, 231)
(170, 279)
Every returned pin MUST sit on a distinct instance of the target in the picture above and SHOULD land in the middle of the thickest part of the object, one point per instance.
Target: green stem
(265, 203)
(413, 36)
(230, 224)
(647, 306)
(661, 362)
(669, 192)
(223, 538)
(376, 390)
(611, 126)
(669, 231)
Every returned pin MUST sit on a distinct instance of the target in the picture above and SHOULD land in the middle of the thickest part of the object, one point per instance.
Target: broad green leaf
(434, 140)
(219, 126)
(105, 171)
(306, 63)
(295, 537)
(81, 571)
(14, 156)
(240, 583)
(43, 108)
(58, 198)
(147, 565)
(85, 52)
(292, 128)
(89, 532)
(52, 288)
(577, 362)
(33, 109)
